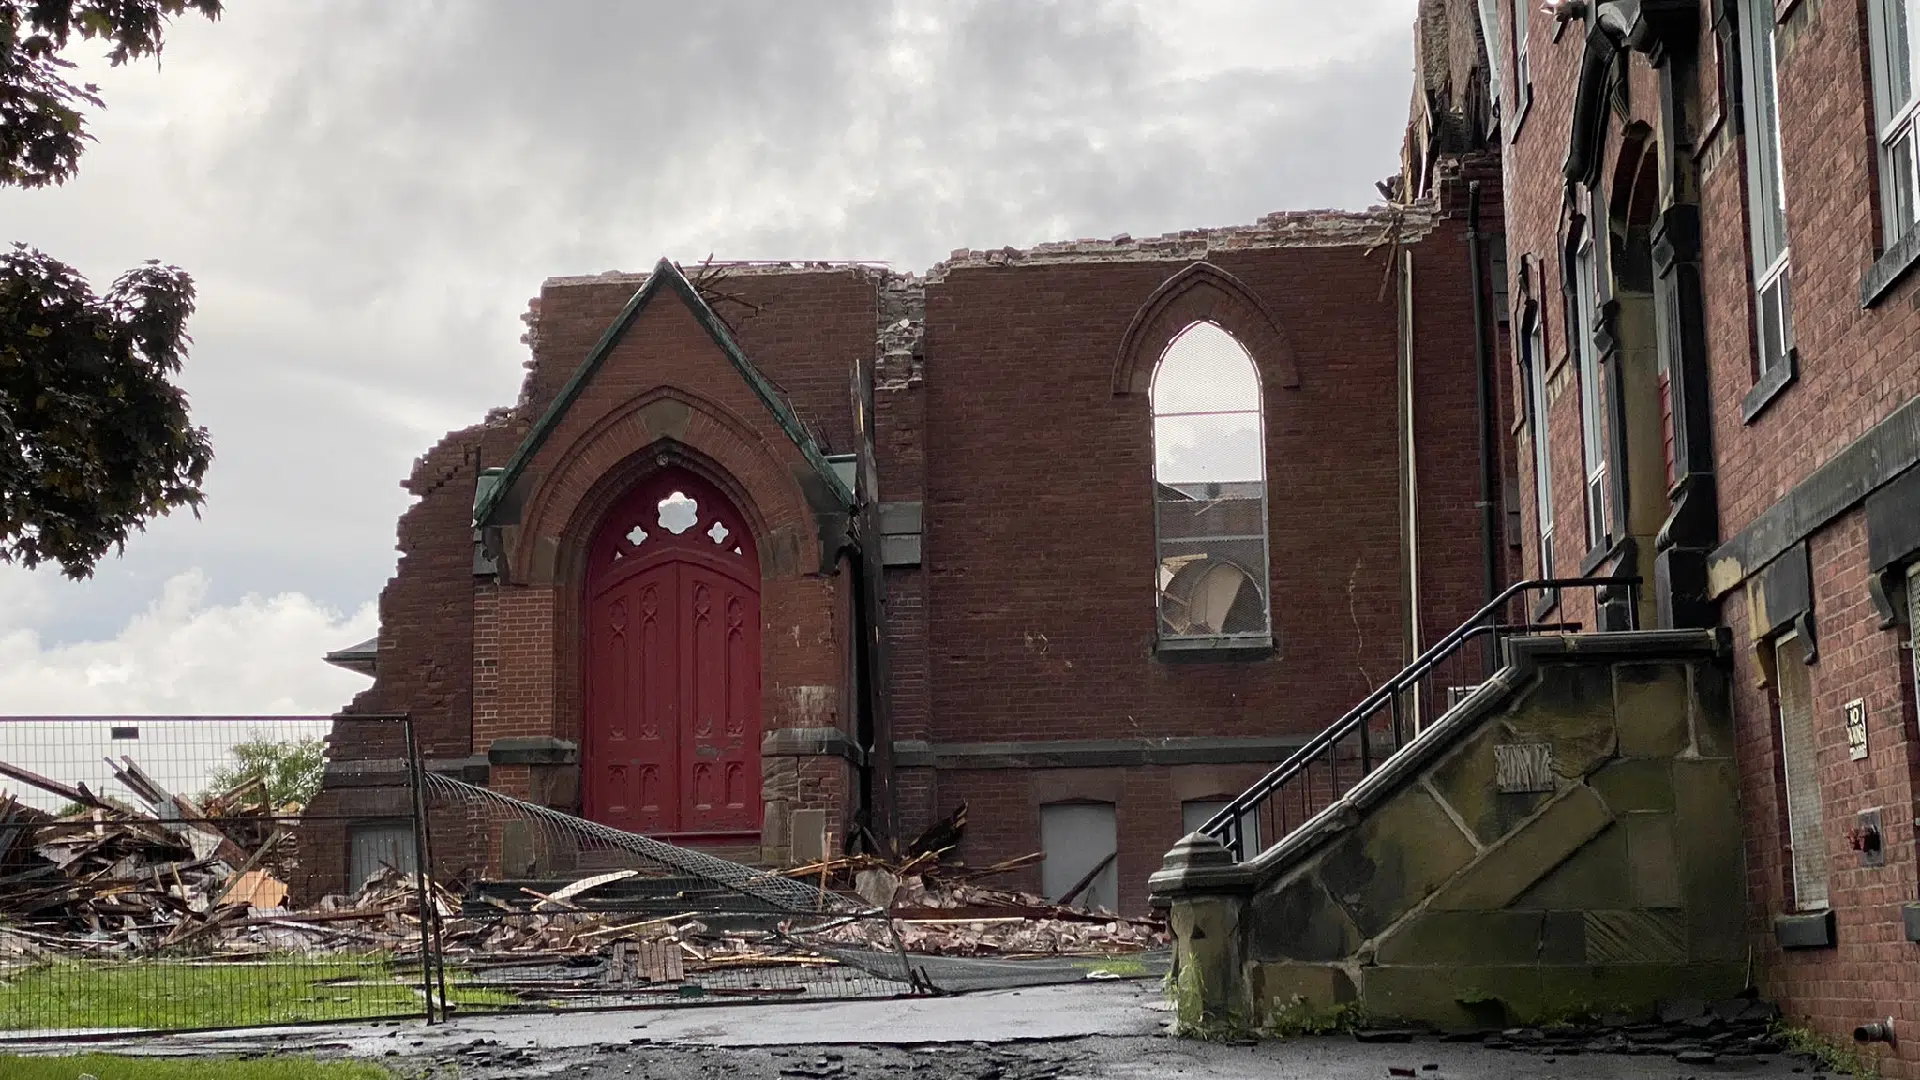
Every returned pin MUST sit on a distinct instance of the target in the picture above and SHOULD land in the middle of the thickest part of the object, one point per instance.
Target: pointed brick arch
(690, 429)
(1200, 292)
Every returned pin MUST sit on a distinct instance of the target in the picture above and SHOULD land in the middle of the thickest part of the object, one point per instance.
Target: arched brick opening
(607, 458)
(669, 428)
(1203, 293)
(1639, 398)
(573, 555)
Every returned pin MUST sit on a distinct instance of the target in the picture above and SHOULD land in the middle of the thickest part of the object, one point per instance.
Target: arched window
(1210, 493)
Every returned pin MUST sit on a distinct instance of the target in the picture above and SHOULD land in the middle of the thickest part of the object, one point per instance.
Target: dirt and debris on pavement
(1088, 1058)
(1087, 1031)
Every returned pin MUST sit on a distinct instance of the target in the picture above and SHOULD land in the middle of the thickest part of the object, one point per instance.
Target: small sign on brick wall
(1522, 767)
(1857, 729)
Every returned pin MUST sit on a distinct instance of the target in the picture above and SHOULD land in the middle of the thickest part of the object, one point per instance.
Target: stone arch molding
(1203, 292)
(690, 429)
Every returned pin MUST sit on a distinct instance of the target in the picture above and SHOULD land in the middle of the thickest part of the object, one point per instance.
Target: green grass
(1126, 967)
(112, 1067)
(178, 995)
(1831, 1055)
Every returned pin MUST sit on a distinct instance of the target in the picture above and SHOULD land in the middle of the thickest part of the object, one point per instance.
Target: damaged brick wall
(1039, 541)
(1031, 615)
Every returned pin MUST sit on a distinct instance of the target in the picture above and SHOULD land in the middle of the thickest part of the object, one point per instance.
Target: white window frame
(1806, 830)
(1533, 366)
(1490, 33)
(1593, 439)
(1766, 186)
(1893, 32)
(1522, 65)
(1262, 574)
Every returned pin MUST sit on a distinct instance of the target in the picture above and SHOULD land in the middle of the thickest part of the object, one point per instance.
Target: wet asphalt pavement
(1094, 1058)
(1085, 1031)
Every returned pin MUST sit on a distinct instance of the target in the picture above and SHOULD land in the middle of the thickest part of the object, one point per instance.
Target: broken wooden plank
(78, 794)
(561, 895)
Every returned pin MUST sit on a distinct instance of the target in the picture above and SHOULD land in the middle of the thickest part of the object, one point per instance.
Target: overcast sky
(367, 193)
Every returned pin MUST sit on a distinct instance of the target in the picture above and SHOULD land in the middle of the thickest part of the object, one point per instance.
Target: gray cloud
(368, 192)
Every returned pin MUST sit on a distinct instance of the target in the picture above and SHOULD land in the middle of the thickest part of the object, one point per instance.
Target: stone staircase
(1565, 840)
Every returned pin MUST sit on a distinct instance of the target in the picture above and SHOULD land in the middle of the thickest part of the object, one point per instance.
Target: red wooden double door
(672, 725)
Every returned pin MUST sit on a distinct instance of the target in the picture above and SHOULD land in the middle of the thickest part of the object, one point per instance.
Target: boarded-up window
(1080, 841)
(1210, 492)
(370, 847)
(1798, 750)
(1197, 812)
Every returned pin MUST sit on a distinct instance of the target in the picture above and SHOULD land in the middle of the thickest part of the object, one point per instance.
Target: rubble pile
(940, 909)
(113, 880)
(106, 879)
(1689, 1030)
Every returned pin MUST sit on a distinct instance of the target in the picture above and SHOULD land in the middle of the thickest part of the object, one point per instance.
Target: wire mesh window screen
(1210, 491)
(1798, 751)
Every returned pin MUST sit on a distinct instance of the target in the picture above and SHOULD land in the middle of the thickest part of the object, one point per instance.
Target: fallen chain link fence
(170, 874)
(539, 909)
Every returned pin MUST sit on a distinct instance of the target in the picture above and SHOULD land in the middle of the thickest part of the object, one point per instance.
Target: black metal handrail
(1418, 681)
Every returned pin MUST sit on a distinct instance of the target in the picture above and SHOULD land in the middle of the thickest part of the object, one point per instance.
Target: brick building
(769, 558)
(1710, 223)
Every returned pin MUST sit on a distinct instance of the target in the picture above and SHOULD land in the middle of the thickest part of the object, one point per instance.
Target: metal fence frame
(148, 890)
(830, 944)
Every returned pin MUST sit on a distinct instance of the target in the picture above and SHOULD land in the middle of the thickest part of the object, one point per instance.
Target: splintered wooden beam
(72, 794)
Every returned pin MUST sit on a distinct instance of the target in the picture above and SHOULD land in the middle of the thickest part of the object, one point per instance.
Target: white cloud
(182, 656)
(367, 193)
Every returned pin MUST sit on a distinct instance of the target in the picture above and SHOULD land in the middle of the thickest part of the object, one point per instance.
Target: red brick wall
(1039, 544)
(1039, 539)
(1032, 616)
(1856, 366)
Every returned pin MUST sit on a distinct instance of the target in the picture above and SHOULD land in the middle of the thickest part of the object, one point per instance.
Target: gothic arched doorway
(672, 648)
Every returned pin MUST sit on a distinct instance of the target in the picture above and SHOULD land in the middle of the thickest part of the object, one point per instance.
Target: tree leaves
(291, 769)
(43, 129)
(94, 438)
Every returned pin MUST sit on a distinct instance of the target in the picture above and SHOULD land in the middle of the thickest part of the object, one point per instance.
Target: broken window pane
(1210, 492)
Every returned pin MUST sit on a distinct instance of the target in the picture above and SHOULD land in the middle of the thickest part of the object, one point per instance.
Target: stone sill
(1520, 114)
(532, 750)
(1202, 649)
(1811, 930)
(1890, 268)
(1770, 386)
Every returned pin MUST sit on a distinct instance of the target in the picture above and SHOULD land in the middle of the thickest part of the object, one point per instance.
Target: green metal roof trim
(663, 271)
